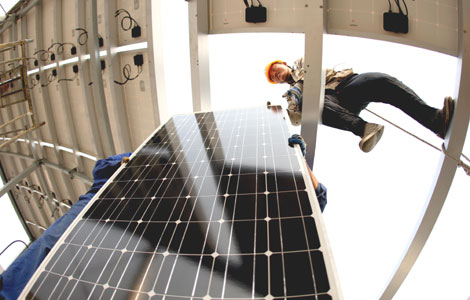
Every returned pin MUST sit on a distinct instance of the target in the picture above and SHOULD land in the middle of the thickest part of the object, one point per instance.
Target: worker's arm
(320, 189)
(312, 176)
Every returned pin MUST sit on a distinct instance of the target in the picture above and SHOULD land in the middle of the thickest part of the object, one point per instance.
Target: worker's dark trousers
(343, 105)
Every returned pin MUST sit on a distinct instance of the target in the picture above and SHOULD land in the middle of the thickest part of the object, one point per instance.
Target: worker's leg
(338, 117)
(355, 94)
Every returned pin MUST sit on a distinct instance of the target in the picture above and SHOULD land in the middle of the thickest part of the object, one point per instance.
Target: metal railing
(14, 89)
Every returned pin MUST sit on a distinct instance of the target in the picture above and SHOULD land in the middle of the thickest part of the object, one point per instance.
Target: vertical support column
(114, 70)
(85, 77)
(63, 85)
(199, 54)
(155, 54)
(314, 79)
(97, 85)
(446, 169)
(48, 109)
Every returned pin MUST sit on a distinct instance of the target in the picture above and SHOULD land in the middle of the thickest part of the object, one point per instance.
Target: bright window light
(132, 47)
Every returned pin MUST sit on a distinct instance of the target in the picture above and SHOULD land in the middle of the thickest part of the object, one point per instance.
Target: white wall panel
(137, 10)
(432, 23)
(69, 35)
(228, 16)
(40, 113)
(47, 24)
(30, 20)
(110, 103)
(59, 115)
(138, 100)
(101, 29)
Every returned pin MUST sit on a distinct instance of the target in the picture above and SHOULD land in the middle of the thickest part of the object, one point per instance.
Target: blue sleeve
(15, 278)
(295, 92)
(321, 196)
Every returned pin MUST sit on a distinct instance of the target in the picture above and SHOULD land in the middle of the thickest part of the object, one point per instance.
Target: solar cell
(212, 206)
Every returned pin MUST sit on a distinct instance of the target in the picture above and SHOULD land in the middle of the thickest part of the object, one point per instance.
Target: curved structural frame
(454, 143)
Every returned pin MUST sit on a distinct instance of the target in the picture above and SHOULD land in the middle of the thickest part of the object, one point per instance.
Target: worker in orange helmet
(348, 93)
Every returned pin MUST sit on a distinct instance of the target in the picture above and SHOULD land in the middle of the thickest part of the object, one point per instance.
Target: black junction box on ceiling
(395, 22)
(255, 14)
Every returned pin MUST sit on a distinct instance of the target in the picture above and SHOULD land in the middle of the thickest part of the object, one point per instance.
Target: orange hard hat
(267, 70)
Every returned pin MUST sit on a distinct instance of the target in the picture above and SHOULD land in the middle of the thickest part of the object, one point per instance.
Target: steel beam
(104, 126)
(48, 209)
(314, 83)
(156, 63)
(36, 213)
(84, 74)
(32, 149)
(199, 54)
(447, 166)
(58, 37)
(113, 65)
(12, 182)
(20, 14)
(73, 173)
(47, 105)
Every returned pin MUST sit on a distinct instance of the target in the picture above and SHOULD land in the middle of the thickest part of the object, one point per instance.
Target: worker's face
(279, 73)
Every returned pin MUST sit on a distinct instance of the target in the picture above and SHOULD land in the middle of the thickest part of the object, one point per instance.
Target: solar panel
(212, 206)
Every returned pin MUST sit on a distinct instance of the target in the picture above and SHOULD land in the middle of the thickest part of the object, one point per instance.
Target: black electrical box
(395, 22)
(136, 32)
(138, 59)
(255, 14)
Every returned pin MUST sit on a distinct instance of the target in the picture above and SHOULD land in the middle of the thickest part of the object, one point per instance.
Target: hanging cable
(60, 48)
(126, 72)
(460, 163)
(83, 33)
(17, 241)
(132, 22)
(50, 78)
(399, 7)
(75, 70)
(43, 54)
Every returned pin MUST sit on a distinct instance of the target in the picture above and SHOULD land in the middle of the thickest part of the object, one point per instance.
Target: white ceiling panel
(432, 23)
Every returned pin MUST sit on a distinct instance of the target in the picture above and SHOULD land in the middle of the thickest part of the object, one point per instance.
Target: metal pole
(11, 184)
(97, 85)
(446, 170)
(71, 172)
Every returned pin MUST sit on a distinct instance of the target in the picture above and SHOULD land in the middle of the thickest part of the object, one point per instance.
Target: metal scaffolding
(14, 90)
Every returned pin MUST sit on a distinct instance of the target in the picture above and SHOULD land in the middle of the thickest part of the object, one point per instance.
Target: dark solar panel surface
(213, 206)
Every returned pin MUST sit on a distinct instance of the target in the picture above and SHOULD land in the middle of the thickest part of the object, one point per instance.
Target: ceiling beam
(199, 54)
(113, 64)
(84, 74)
(72, 173)
(314, 83)
(104, 126)
(63, 89)
(50, 121)
(24, 173)
(156, 63)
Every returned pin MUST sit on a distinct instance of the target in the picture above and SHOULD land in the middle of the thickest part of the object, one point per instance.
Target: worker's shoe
(370, 138)
(447, 112)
